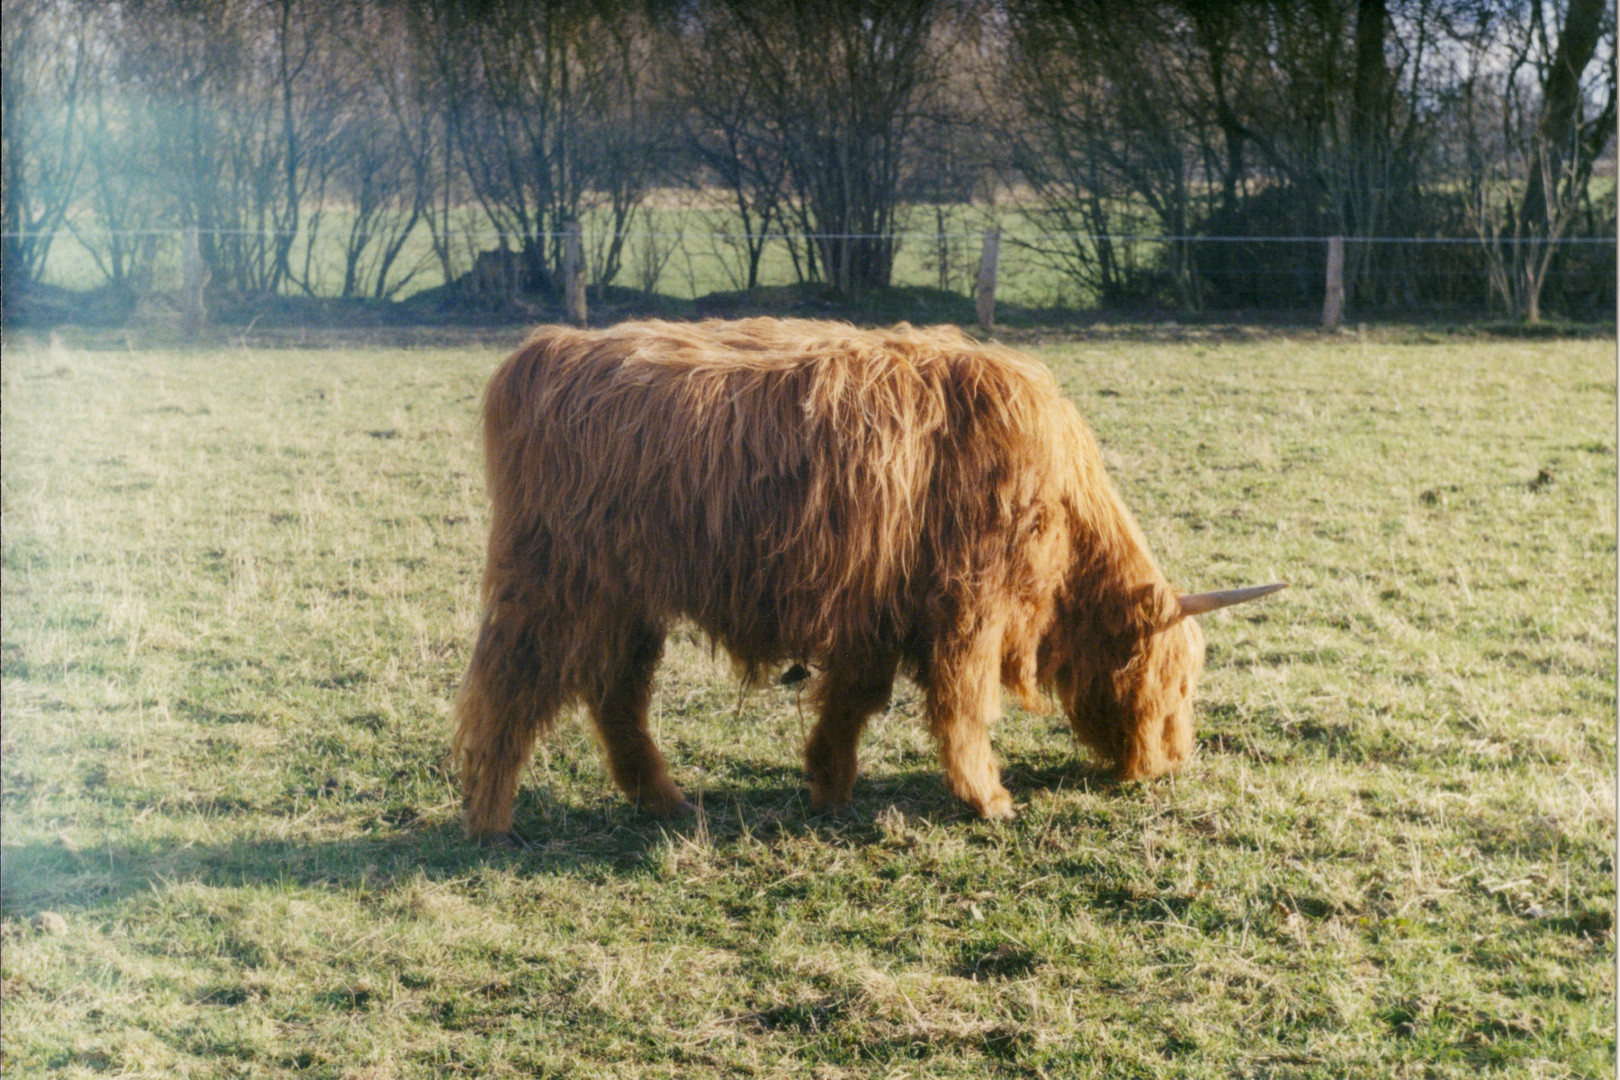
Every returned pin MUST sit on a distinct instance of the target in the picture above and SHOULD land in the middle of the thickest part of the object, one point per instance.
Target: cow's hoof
(669, 810)
(838, 811)
(998, 807)
(510, 840)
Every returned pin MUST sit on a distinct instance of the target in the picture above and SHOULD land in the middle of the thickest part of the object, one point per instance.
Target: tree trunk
(1547, 198)
(1369, 136)
(1555, 135)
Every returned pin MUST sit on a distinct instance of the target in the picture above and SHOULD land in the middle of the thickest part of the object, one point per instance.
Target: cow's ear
(1160, 607)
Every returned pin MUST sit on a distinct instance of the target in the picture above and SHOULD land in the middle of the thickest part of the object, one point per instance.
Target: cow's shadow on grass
(752, 804)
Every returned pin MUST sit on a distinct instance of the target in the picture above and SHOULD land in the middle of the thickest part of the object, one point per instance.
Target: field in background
(239, 588)
(675, 251)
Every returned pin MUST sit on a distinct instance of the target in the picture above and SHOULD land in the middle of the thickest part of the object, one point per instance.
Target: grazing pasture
(240, 587)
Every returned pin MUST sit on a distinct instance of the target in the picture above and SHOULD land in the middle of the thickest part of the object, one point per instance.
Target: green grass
(690, 245)
(238, 592)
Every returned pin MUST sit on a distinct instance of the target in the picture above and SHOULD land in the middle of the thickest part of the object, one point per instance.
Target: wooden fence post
(573, 275)
(1333, 302)
(986, 290)
(194, 277)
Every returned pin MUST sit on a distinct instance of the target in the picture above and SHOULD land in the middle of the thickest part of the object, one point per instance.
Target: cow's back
(791, 486)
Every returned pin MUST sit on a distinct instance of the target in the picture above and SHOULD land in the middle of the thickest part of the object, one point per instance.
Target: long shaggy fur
(865, 501)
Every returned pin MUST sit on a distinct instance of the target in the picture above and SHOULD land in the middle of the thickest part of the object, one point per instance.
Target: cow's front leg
(964, 699)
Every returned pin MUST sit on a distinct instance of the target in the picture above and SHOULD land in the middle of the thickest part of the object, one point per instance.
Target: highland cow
(862, 502)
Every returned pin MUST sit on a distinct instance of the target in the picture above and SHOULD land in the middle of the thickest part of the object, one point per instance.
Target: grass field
(239, 588)
(683, 252)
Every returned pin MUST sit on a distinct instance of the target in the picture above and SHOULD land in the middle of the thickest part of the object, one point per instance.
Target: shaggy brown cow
(865, 501)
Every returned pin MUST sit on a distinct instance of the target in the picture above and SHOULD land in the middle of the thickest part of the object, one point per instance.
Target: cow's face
(1127, 685)
(1159, 699)
(1126, 664)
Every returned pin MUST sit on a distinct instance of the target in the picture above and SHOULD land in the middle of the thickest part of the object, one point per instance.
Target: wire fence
(1039, 268)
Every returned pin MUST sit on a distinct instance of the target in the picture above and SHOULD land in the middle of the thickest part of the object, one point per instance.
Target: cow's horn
(1199, 603)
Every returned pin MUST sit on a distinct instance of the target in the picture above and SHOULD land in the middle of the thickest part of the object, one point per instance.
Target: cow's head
(1125, 668)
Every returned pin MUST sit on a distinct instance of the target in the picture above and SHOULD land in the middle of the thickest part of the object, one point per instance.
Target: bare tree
(214, 128)
(45, 71)
(383, 147)
(312, 92)
(1234, 118)
(1554, 116)
(241, 99)
(288, 131)
(727, 133)
(632, 125)
(125, 200)
(546, 121)
(952, 155)
(838, 83)
(426, 104)
(1367, 172)
(1105, 135)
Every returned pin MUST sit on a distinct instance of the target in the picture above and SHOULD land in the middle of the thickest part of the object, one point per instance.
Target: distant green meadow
(679, 252)
(240, 586)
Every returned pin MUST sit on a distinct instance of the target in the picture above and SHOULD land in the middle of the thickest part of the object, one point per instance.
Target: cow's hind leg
(508, 697)
(620, 711)
(964, 699)
(848, 694)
